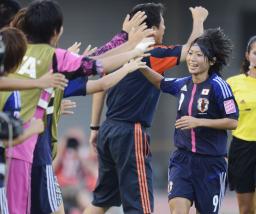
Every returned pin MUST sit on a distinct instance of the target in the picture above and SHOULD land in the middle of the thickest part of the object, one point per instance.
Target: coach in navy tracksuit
(206, 109)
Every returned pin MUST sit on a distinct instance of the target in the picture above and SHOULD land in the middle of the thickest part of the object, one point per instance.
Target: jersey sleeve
(116, 41)
(225, 99)
(172, 85)
(74, 65)
(76, 87)
(164, 57)
(13, 104)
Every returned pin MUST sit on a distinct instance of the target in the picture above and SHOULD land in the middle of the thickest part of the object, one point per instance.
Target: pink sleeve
(67, 62)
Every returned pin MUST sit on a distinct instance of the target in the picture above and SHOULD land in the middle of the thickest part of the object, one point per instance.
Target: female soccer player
(206, 109)
(242, 159)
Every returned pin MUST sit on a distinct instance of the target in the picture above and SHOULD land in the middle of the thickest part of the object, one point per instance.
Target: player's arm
(74, 65)
(135, 31)
(199, 15)
(36, 127)
(46, 81)
(97, 107)
(152, 76)
(189, 122)
(121, 43)
(108, 81)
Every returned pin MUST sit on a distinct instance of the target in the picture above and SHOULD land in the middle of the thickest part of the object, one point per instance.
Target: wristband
(96, 128)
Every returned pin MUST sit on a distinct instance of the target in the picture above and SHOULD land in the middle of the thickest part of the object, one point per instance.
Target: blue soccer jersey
(134, 98)
(211, 99)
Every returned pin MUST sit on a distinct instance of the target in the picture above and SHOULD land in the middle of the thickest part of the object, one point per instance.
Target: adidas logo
(184, 88)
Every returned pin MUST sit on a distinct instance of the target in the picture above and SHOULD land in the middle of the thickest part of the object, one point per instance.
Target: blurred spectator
(76, 171)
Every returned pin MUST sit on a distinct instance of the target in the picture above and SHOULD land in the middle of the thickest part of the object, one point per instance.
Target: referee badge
(202, 104)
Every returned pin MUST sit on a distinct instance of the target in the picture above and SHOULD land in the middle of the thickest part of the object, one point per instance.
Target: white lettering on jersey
(28, 67)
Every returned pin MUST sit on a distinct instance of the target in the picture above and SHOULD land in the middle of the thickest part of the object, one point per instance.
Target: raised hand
(75, 48)
(145, 44)
(67, 106)
(138, 34)
(52, 80)
(199, 13)
(134, 22)
(88, 51)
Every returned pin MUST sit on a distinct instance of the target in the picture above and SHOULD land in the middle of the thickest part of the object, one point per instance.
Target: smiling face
(197, 62)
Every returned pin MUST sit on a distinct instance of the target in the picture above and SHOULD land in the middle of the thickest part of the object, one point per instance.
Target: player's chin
(193, 71)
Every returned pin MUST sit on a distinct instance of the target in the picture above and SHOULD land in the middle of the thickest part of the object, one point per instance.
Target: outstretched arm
(199, 15)
(46, 81)
(108, 81)
(120, 59)
(152, 76)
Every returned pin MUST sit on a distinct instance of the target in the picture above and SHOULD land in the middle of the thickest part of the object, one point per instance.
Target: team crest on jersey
(202, 104)
(205, 91)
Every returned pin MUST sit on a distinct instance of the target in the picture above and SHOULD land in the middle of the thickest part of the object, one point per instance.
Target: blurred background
(96, 21)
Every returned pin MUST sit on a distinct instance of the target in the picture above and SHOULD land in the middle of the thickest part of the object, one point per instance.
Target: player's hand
(199, 13)
(36, 126)
(187, 122)
(137, 35)
(134, 22)
(93, 140)
(135, 64)
(75, 48)
(67, 107)
(52, 80)
(145, 45)
(89, 50)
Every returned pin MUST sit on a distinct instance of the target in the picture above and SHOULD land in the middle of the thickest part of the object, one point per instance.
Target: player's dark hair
(8, 9)
(42, 19)
(154, 11)
(216, 46)
(15, 48)
(246, 63)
